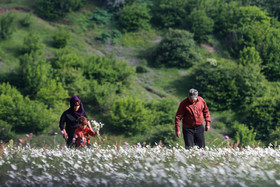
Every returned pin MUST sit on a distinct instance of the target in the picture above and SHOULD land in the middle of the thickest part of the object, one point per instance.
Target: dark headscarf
(80, 112)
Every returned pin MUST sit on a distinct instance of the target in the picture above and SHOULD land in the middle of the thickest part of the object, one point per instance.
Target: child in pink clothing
(81, 134)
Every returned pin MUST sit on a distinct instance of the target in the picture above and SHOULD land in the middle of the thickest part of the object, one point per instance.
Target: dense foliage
(239, 75)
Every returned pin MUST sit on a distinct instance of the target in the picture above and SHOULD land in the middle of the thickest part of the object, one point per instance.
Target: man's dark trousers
(194, 136)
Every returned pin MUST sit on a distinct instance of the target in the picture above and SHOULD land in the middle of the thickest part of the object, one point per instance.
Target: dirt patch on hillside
(14, 9)
(208, 47)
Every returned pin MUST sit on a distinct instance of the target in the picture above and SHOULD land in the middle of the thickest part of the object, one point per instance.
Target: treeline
(244, 80)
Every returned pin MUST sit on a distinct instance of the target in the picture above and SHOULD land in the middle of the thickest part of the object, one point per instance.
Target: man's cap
(193, 94)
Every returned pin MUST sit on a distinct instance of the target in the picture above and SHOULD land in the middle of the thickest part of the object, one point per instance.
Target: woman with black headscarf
(70, 117)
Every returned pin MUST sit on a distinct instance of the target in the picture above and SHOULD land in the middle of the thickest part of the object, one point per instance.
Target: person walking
(192, 110)
(70, 117)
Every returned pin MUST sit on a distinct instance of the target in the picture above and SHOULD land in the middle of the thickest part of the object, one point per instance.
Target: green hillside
(132, 62)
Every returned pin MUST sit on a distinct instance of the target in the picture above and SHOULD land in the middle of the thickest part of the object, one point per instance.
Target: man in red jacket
(192, 110)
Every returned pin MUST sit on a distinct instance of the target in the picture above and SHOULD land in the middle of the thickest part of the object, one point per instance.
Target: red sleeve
(90, 132)
(206, 113)
(76, 133)
(179, 115)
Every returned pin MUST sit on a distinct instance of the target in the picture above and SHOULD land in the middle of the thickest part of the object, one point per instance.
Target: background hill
(132, 62)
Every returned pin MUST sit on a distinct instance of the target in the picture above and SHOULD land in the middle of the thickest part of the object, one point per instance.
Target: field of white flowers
(136, 165)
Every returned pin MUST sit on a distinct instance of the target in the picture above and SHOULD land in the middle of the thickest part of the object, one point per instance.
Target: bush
(109, 69)
(50, 92)
(32, 43)
(263, 115)
(54, 9)
(27, 20)
(177, 49)
(61, 38)
(164, 110)
(134, 17)
(104, 37)
(141, 69)
(162, 133)
(101, 16)
(22, 114)
(35, 73)
(130, 116)
(6, 132)
(200, 24)
(243, 134)
(6, 25)
(168, 13)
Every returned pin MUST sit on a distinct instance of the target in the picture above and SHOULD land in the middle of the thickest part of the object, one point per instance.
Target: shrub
(130, 116)
(6, 25)
(243, 134)
(101, 16)
(177, 49)
(22, 114)
(50, 92)
(104, 37)
(61, 38)
(54, 9)
(141, 69)
(32, 43)
(27, 20)
(6, 132)
(164, 110)
(162, 133)
(168, 13)
(200, 24)
(134, 17)
(109, 69)
(35, 73)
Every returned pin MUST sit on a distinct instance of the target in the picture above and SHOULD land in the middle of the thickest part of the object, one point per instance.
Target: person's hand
(178, 134)
(65, 135)
(97, 132)
(207, 126)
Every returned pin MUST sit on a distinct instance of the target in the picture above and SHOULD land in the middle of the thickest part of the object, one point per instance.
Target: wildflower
(19, 144)
(125, 143)
(27, 135)
(27, 145)
(62, 148)
(20, 140)
(138, 144)
(55, 133)
(226, 137)
(203, 153)
(76, 136)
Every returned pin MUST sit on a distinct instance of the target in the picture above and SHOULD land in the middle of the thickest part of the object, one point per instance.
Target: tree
(177, 49)
(134, 17)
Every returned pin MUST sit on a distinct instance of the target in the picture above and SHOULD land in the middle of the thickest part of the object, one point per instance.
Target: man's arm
(178, 117)
(207, 117)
